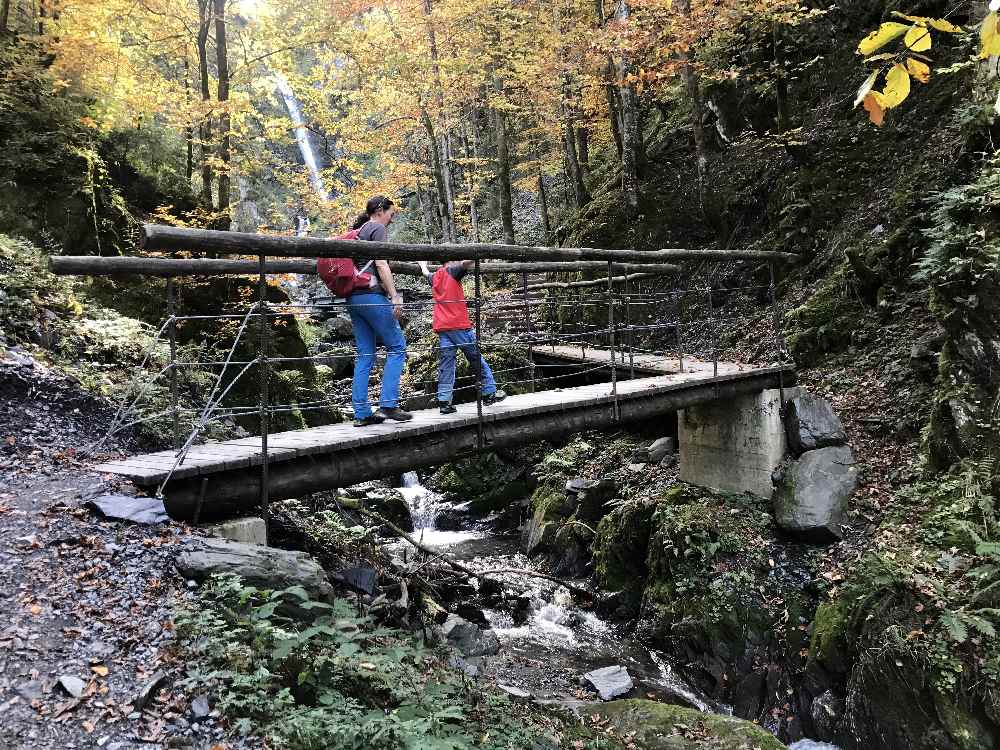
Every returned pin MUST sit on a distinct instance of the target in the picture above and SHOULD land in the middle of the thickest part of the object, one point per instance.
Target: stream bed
(548, 642)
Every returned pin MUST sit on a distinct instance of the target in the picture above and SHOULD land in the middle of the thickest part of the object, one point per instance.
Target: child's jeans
(451, 342)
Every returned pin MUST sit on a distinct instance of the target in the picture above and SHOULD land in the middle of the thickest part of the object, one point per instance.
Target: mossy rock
(487, 481)
(549, 510)
(661, 726)
(621, 545)
(828, 643)
(824, 324)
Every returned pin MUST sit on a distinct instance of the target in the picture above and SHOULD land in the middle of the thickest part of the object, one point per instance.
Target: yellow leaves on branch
(916, 39)
(989, 36)
(878, 39)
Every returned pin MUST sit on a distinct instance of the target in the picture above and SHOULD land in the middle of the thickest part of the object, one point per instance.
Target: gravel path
(87, 654)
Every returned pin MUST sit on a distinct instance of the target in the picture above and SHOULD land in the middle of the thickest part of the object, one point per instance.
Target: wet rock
(265, 567)
(661, 448)
(388, 502)
(144, 510)
(469, 638)
(73, 685)
(470, 670)
(516, 694)
(472, 614)
(810, 424)
(610, 682)
(826, 712)
(812, 498)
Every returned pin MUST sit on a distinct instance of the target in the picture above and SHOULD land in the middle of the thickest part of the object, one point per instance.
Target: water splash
(301, 135)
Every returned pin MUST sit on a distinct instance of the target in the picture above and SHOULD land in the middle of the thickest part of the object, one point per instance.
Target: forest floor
(86, 642)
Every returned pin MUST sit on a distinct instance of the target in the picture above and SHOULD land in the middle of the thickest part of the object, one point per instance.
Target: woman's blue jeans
(373, 322)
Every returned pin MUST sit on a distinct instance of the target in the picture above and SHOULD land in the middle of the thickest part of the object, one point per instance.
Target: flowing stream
(547, 642)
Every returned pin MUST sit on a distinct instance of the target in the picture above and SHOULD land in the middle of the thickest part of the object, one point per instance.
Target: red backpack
(340, 275)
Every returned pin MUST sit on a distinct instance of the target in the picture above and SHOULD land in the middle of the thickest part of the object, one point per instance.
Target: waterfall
(301, 135)
(423, 502)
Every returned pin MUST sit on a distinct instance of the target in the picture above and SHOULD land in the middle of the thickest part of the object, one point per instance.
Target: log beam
(158, 237)
(94, 265)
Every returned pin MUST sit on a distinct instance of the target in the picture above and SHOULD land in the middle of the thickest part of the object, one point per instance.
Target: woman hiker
(375, 315)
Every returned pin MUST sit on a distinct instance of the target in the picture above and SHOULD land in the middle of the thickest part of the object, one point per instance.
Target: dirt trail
(85, 605)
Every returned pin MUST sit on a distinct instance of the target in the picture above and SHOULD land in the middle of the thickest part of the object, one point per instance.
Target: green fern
(954, 626)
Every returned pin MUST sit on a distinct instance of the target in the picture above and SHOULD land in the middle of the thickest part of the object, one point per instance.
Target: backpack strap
(367, 265)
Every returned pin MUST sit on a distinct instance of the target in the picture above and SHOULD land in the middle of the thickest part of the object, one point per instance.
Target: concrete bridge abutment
(734, 444)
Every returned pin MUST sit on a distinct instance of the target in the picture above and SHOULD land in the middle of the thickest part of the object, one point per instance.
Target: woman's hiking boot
(394, 413)
(494, 398)
(447, 408)
(369, 420)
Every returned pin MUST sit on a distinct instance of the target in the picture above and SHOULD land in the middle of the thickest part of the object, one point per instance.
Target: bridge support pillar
(733, 444)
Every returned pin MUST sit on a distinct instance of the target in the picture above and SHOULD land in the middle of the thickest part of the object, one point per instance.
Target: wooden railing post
(479, 364)
(264, 395)
(172, 333)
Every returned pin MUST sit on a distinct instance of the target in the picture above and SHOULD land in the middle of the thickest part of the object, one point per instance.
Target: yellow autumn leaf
(989, 36)
(918, 39)
(919, 70)
(941, 25)
(897, 86)
(865, 88)
(878, 39)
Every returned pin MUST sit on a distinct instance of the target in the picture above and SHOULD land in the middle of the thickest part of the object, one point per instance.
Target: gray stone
(733, 444)
(148, 691)
(72, 685)
(591, 495)
(200, 707)
(362, 580)
(249, 530)
(610, 682)
(265, 567)
(516, 694)
(144, 510)
(811, 424)
(660, 449)
(812, 498)
(470, 670)
(469, 638)
(30, 691)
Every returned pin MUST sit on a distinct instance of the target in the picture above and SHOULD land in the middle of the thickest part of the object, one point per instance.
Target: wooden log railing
(94, 265)
(159, 237)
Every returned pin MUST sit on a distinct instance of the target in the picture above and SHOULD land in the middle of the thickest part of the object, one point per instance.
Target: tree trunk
(582, 198)
(630, 126)
(447, 226)
(222, 62)
(543, 209)
(188, 129)
(4, 15)
(781, 82)
(427, 211)
(503, 173)
(471, 184)
(583, 152)
(691, 82)
(205, 126)
(614, 108)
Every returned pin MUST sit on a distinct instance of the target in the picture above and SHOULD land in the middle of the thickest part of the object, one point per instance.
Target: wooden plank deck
(651, 364)
(216, 457)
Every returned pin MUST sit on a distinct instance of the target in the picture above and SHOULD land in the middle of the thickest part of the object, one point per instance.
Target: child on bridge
(454, 329)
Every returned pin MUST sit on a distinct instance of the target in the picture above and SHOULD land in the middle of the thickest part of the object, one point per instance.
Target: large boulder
(810, 424)
(388, 502)
(661, 726)
(264, 567)
(812, 497)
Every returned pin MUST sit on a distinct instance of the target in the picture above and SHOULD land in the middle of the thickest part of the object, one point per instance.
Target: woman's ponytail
(360, 221)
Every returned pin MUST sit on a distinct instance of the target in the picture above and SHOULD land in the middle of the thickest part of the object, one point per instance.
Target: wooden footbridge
(212, 480)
